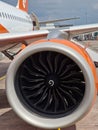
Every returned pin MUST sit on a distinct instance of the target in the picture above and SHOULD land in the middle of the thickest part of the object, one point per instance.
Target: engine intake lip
(50, 84)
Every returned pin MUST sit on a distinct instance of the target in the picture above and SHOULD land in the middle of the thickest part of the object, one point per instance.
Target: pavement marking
(3, 77)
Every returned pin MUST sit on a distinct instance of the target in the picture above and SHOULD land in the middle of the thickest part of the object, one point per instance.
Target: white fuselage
(13, 19)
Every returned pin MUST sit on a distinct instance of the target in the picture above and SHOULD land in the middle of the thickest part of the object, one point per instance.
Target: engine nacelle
(51, 83)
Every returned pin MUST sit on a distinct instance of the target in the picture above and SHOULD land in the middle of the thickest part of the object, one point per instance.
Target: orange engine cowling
(52, 83)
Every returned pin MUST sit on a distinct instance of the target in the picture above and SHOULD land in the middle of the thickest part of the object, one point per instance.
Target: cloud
(51, 9)
(95, 6)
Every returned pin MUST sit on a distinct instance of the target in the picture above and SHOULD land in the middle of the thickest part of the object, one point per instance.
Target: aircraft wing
(81, 29)
(57, 20)
(22, 36)
(7, 38)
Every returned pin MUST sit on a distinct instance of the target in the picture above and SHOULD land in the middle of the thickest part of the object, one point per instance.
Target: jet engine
(51, 83)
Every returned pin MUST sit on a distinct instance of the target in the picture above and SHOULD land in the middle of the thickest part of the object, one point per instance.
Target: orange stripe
(23, 5)
(3, 29)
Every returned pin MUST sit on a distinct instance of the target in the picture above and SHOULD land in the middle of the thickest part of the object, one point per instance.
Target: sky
(87, 10)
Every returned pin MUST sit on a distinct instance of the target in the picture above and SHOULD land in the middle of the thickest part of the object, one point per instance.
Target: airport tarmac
(92, 45)
(10, 121)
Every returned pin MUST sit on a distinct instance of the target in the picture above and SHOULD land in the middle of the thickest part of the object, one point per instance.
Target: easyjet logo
(24, 3)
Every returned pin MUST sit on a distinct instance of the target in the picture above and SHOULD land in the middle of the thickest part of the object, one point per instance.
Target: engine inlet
(50, 84)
